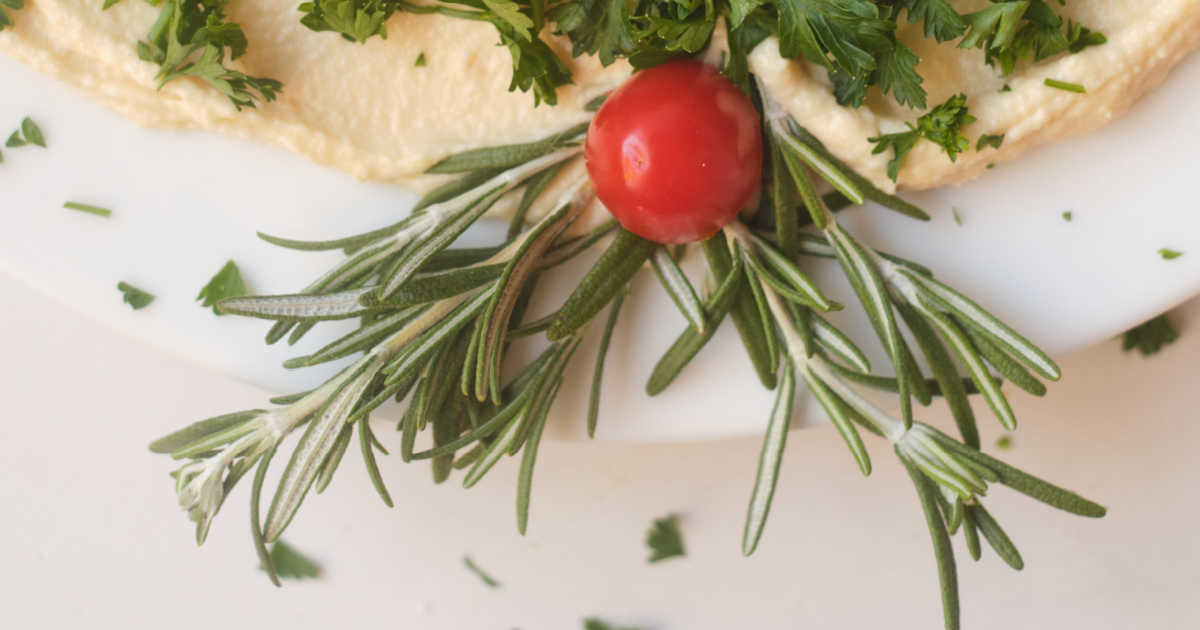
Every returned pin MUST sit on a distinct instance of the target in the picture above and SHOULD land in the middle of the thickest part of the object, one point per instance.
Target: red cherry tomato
(675, 153)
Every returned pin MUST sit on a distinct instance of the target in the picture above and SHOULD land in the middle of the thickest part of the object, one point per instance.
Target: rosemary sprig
(437, 323)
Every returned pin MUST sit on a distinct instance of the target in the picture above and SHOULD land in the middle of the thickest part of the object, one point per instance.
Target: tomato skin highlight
(675, 153)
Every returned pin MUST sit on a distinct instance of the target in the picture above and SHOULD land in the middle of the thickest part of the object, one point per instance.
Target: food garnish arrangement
(728, 132)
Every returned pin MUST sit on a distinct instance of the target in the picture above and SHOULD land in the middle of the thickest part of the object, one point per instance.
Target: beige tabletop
(91, 537)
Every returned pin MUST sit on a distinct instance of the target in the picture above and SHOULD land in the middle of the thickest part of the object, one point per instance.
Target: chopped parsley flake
(1150, 337)
(957, 217)
(134, 297)
(1063, 85)
(420, 63)
(989, 140)
(941, 126)
(15, 140)
(1004, 443)
(226, 284)
(488, 580)
(1068, 216)
(32, 132)
(291, 564)
(83, 207)
(665, 540)
(1169, 254)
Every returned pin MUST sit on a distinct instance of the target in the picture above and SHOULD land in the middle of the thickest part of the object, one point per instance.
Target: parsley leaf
(989, 140)
(1012, 30)
(192, 39)
(5, 19)
(1169, 254)
(291, 564)
(420, 62)
(1004, 443)
(665, 540)
(665, 30)
(15, 140)
(1150, 337)
(1068, 216)
(355, 20)
(488, 580)
(33, 133)
(134, 297)
(942, 22)
(226, 284)
(942, 126)
(595, 27)
(898, 75)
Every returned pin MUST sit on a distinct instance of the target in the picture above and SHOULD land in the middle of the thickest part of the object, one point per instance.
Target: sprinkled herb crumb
(488, 580)
(135, 297)
(83, 207)
(1004, 443)
(665, 540)
(957, 216)
(1063, 85)
(1068, 216)
(1169, 254)
(1150, 337)
(420, 63)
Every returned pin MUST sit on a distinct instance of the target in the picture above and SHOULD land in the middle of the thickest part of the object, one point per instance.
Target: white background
(90, 536)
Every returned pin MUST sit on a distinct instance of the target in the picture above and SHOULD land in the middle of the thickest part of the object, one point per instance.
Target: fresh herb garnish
(487, 580)
(943, 126)
(1169, 254)
(15, 140)
(32, 132)
(436, 322)
(193, 38)
(134, 297)
(288, 563)
(354, 20)
(1068, 216)
(227, 283)
(989, 140)
(83, 207)
(5, 6)
(1011, 30)
(420, 62)
(957, 217)
(1065, 86)
(664, 539)
(1004, 443)
(1151, 337)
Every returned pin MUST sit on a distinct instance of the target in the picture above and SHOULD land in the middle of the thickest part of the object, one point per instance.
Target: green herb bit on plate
(1169, 254)
(227, 283)
(289, 564)
(135, 297)
(90, 209)
(488, 580)
(665, 540)
(1151, 337)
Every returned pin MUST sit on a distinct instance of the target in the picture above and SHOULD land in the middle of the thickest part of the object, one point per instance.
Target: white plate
(184, 203)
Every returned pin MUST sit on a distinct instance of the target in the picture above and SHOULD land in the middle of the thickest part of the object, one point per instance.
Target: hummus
(1145, 40)
(365, 109)
(370, 111)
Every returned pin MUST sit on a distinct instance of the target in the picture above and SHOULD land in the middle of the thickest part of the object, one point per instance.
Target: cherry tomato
(675, 153)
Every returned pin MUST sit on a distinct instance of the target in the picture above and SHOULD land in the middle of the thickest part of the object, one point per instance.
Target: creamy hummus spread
(371, 111)
(1145, 40)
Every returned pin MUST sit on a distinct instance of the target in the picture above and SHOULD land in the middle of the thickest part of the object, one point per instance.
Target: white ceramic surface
(185, 203)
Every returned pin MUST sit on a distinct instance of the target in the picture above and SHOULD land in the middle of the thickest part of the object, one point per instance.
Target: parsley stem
(83, 207)
(1063, 85)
